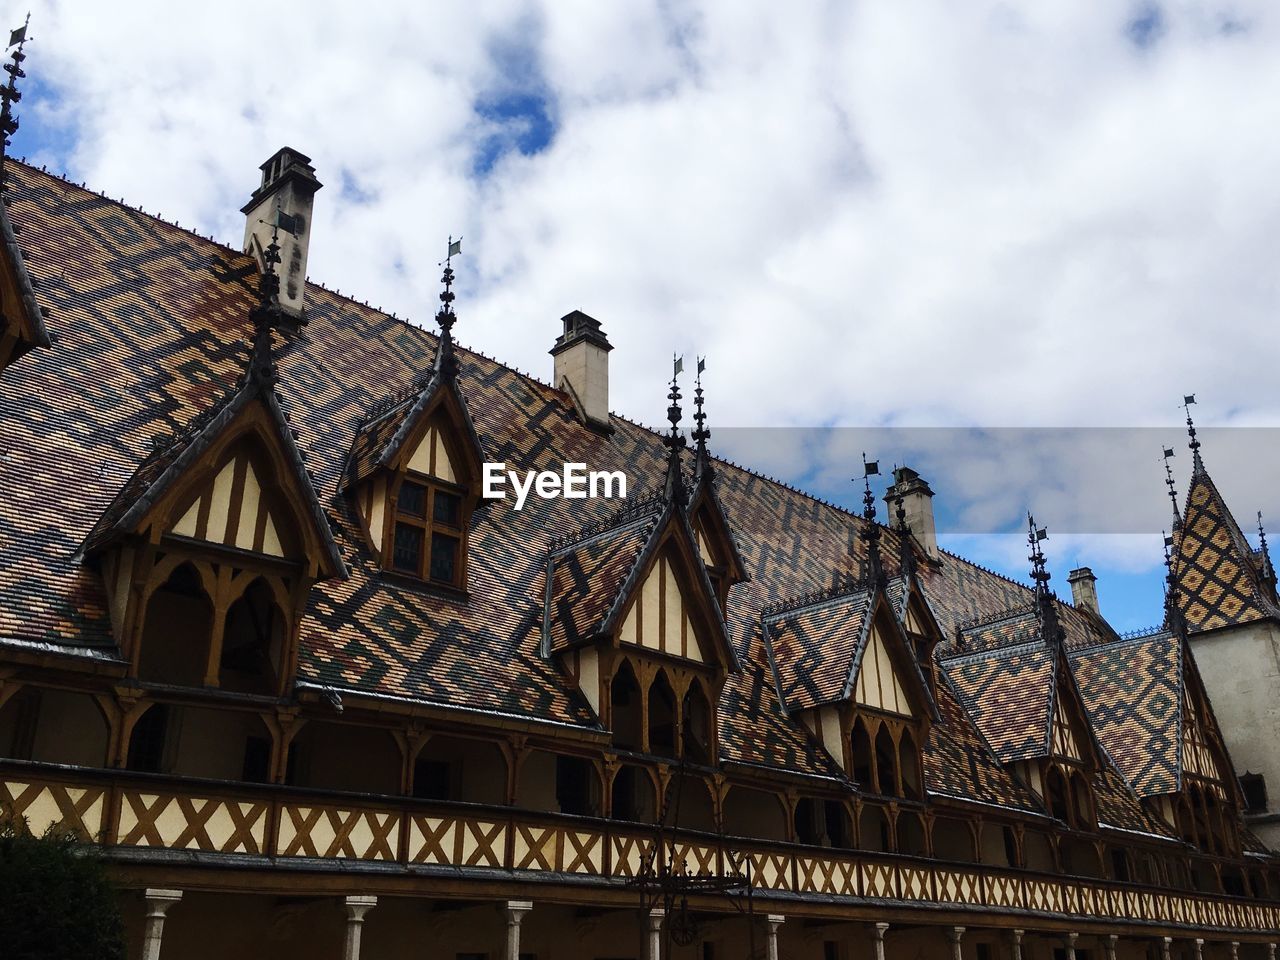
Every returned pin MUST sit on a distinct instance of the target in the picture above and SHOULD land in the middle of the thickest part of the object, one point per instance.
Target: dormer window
(429, 531)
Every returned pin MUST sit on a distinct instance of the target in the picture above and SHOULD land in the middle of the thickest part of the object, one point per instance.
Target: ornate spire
(1173, 619)
(870, 532)
(1046, 605)
(446, 364)
(266, 315)
(10, 94)
(1194, 444)
(702, 468)
(1168, 482)
(907, 552)
(674, 441)
(1268, 571)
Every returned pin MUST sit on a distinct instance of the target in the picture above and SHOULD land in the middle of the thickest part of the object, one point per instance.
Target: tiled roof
(152, 327)
(587, 578)
(814, 647)
(1009, 693)
(1132, 690)
(1217, 577)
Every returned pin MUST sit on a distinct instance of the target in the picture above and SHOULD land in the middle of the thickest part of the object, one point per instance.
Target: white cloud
(920, 214)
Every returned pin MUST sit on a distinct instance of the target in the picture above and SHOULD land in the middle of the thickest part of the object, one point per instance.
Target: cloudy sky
(905, 215)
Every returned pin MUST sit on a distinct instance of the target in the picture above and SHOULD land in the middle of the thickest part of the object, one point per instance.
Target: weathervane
(674, 441)
(702, 461)
(266, 313)
(1168, 482)
(870, 532)
(1050, 629)
(1187, 401)
(1173, 619)
(446, 364)
(1268, 571)
(10, 94)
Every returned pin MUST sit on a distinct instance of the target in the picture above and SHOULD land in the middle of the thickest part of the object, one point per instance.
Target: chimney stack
(582, 368)
(289, 185)
(1084, 590)
(917, 501)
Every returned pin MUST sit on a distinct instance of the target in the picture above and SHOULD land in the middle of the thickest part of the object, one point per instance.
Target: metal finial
(1187, 401)
(674, 441)
(10, 94)
(702, 469)
(266, 315)
(1268, 571)
(1168, 482)
(870, 532)
(1173, 618)
(1046, 609)
(446, 364)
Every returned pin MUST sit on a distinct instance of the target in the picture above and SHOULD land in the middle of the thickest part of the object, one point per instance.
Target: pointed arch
(912, 840)
(886, 763)
(253, 641)
(1082, 801)
(696, 725)
(177, 629)
(1055, 794)
(626, 708)
(909, 766)
(860, 755)
(662, 716)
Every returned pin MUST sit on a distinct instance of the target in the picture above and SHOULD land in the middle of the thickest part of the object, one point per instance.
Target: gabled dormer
(414, 473)
(848, 672)
(209, 550)
(632, 617)
(918, 621)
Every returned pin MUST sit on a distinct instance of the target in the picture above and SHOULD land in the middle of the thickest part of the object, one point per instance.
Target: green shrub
(56, 902)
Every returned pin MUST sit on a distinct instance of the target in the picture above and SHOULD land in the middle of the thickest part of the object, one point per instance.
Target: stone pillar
(881, 930)
(516, 909)
(653, 935)
(1165, 944)
(1109, 944)
(357, 907)
(773, 922)
(1071, 945)
(955, 934)
(158, 904)
(1016, 937)
(1271, 951)
(1235, 950)
(1199, 949)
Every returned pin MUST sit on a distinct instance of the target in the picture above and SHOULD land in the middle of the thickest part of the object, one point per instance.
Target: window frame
(429, 528)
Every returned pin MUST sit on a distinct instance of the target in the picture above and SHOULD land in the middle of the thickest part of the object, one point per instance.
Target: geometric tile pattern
(1216, 574)
(815, 647)
(151, 327)
(1132, 690)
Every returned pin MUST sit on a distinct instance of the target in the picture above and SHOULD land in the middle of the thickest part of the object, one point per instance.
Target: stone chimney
(917, 501)
(1084, 590)
(289, 185)
(582, 367)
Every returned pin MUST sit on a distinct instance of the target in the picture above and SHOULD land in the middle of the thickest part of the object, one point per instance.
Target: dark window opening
(146, 746)
(1119, 865)
(252, 642)
(432, 779)
(407, 555)
(1254, 787)
(861, 750)
(444, 558)
(697, 726)
(427, 540)
(624, 702)
(662, 717)
(574, 793)
(632, 795)
(1010, 845)
(886, 763)
(257, 760)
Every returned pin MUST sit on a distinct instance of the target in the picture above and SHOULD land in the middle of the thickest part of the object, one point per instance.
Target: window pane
(408, 550)
(448, 508)
(413, 499)
(444, 557)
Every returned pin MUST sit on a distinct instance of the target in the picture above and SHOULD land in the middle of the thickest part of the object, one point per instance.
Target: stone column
(1071, 945)
(1199, 949)
(653, 935)
(881, 930)
(1165, 944)
(1109, 944)
(1016, 937)
(955, 934)
(773, 921)
(516, 909)
(1271, 951)
(357, 907)
(158, 904)
(1235, 950)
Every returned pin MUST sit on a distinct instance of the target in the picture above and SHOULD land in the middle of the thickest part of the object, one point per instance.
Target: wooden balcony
(281, 826)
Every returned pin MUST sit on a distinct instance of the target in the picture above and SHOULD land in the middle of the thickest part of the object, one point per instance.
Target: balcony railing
(120, 809)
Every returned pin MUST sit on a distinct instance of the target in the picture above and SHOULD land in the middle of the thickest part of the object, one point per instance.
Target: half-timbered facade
(264, 643)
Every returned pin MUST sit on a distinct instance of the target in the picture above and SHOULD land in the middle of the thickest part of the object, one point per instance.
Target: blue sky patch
(518, 121)
(1146, 27)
